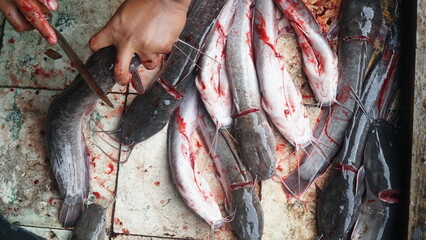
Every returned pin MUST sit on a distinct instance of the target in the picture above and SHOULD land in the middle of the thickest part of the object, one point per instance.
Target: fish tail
(71, 209)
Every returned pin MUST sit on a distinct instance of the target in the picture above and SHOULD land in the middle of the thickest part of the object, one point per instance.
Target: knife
(75, 59)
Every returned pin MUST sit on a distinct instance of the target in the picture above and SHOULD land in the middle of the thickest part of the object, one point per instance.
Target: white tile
(23, 53)
(28, 188)
(50, 234)
(148, 203)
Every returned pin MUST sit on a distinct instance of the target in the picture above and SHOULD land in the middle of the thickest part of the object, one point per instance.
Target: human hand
(148, 28)
(25, 15)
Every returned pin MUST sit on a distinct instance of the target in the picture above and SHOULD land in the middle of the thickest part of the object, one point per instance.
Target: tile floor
(147, 205)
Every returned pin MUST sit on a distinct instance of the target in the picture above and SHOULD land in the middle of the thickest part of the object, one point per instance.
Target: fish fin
(71, 209)
(137, 80)
(360, 183)
(334, 32)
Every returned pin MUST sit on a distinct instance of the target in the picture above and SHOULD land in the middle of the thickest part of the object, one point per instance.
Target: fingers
(151, 61)
(52, 5)
(16, 19)
(35, 17)
(122, 62)
(101, 39)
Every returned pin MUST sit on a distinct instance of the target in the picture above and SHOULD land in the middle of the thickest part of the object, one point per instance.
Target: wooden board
(417, 219)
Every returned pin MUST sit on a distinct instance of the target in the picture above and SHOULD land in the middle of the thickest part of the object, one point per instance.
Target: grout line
(32, 88)
(150, 236)
(111, 233)
(43, 227)
(3, 22)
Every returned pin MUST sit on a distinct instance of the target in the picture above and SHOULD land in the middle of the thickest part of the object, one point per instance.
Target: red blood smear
(118, 221)
(245, 112)
(390, 196)
(11, 41)
(180, 121)
(125, 231)
(236, 186)
(176, 94)
(203, 86)
(26, 6)
(261, 31)
(345, 167)
(111, 168)
(157, 183)
(280, 147)
(36, 181)
(97, 195)
(360, 38)
(41, 72)
(328, 136)
(306, 96)
(12, 89)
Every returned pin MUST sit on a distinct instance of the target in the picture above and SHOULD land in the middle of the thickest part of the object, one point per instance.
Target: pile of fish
(228, 59)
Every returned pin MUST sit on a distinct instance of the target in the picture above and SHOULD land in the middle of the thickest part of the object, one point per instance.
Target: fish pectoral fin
(360, 183)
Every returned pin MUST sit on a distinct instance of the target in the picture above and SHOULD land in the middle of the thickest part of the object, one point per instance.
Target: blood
(12, 89)
(345, 167)
(245, 112)
(360, 38)
(235, 186)
(280, 147)
(176, 94)
(26, 6)
(39, 71)
(390, 196)
(203, 86)
(11, 41)
(181, 122)
(326, 133)
(157, 183)
(263, 35)
(125, 231)
(110, 168)
(118, 221)
(97, 195)
(286, 112)
(36, 181)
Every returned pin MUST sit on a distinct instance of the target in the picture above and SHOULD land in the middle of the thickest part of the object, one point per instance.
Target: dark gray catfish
(150, 112)
(66, 146)
(381, 211)
(91, 224)
(13, 232)
(242, 202)
(339, 202)
(254, 136)
(360, 26)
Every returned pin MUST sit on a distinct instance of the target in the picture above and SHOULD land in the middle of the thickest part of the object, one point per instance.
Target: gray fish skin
(150, 112)
(254, 136)
(12, 232)
(339, 202)
(65, 143)
(236, 181)
(91, 224)
(360, 20)
(381, 213)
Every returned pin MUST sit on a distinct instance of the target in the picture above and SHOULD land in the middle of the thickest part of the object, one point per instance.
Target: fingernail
(53, 5)
(51, 40)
